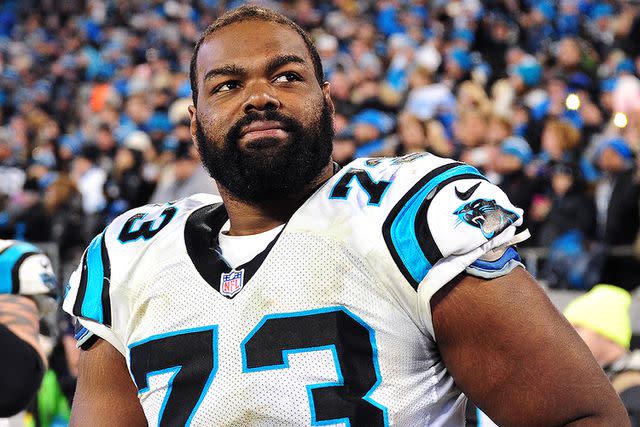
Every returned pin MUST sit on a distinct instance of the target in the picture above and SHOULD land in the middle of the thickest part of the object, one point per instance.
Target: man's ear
(193, 125)
(326, 92)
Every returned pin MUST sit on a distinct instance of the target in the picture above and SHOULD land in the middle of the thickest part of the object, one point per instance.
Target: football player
(307, 295)
(27, 288)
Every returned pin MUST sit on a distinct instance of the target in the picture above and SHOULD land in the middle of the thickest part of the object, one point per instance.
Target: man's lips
(263, 129)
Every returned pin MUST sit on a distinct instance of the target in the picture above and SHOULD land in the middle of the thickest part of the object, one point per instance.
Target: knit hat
(619, 145)
(518, 147)
(529, 70)
(462, 58)
(605, 310)
(602, 10)
(608, 85)
(546, 9)
(625, 66)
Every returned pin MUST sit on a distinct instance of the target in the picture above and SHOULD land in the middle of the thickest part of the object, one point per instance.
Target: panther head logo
(486, 215)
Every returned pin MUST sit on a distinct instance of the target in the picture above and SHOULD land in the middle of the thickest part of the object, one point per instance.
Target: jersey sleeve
(101, 292)
(447, 218)
(472, 227)
(88, 296)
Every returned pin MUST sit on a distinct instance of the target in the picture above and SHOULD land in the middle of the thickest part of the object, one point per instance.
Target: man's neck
(250, 218)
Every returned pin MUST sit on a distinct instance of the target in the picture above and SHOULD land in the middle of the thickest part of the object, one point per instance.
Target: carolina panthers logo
(486, 215)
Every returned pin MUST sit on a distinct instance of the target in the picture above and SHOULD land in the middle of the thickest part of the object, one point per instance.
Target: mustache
(288, 123)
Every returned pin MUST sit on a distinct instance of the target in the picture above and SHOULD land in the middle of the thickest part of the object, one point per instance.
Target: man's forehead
(248, 43)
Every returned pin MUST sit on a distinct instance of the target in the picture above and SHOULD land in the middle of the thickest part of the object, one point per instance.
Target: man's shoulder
(132, 247)
(422, 208)
(154, 230)
(374, 179)
(142, 224)
(378, 188)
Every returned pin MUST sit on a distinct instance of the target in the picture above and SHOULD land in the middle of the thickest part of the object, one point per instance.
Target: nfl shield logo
(231, 283)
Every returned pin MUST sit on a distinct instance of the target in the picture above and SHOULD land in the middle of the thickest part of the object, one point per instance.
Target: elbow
(614, 415)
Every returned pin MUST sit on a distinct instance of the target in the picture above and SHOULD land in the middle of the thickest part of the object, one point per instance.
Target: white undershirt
(238, 250)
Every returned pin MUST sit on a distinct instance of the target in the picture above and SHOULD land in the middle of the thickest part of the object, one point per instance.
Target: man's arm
(21, 357)
(105, 394)
(517, 358)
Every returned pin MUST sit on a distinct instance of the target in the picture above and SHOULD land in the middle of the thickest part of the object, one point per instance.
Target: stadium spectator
(127, 185)
(183, 177)
(91, 74)
(344, 148)
(25, 295)
(507, 167)
(414, 136)
(559, 140)
(107, 146)
(566, 224)
(601, 318)
(499, 128)
(569, 206)
(616, 198)
(63, 214)
(90, 179)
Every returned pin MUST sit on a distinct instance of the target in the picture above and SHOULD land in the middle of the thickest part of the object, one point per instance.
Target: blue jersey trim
(9, 260)
(402, 232)
(92, 302)
(500, 263)
(81, 333)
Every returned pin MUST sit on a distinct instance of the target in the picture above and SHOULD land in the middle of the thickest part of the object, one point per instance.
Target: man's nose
(260, 97)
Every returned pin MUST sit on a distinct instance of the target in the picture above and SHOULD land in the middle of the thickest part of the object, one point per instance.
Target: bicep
(105, 394)
(513, 354)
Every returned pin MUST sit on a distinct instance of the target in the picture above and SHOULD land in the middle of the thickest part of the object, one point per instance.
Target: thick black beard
(256, 177)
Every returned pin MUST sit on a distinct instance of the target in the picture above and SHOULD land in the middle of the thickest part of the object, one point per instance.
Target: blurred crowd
(543, 97)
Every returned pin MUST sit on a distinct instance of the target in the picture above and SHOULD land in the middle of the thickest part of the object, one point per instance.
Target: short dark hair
(259, 14)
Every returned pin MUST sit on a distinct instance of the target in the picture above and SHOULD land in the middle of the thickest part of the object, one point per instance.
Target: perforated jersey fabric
(331, 325)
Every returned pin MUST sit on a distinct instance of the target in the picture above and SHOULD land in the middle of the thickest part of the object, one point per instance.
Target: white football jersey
(329, 325)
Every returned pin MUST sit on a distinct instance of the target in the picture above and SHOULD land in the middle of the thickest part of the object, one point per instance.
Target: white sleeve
(472, 227)
(100, 292)
(87, 294)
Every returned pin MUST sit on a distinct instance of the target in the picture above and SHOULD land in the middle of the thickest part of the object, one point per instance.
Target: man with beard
(308, 295)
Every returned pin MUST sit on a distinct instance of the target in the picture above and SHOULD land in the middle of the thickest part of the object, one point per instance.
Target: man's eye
(225, 87)
(287, 78)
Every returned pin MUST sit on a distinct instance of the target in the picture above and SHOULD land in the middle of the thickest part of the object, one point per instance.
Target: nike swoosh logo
(466, 194)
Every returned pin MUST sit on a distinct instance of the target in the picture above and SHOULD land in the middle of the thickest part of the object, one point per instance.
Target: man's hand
(517, 358)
